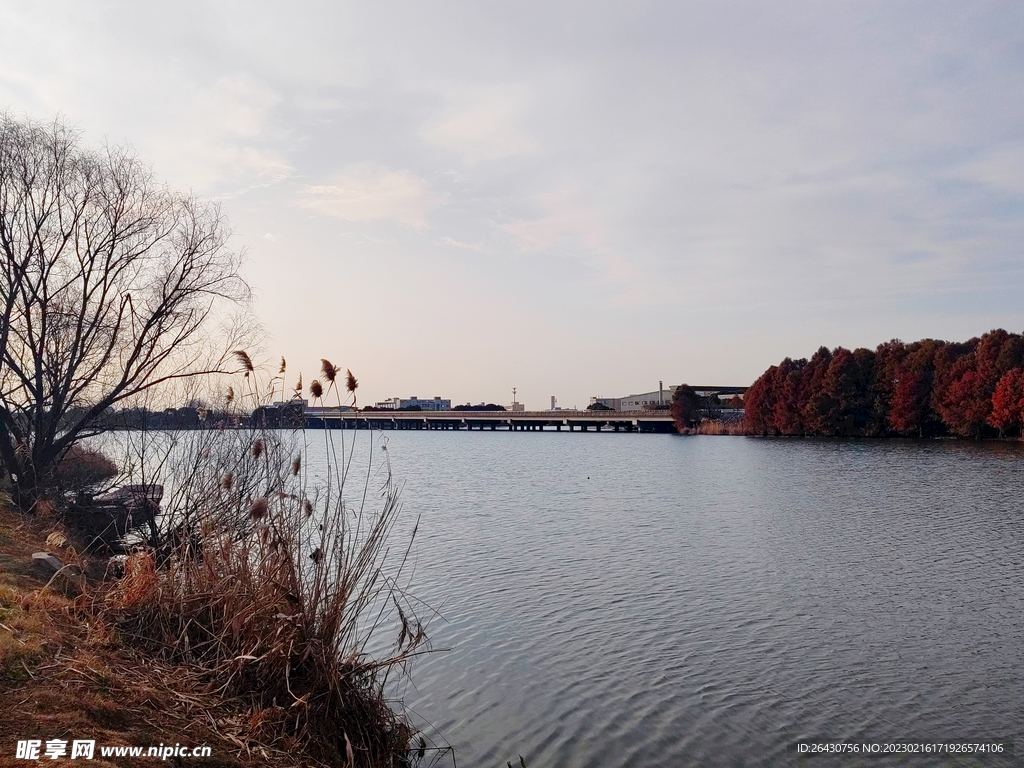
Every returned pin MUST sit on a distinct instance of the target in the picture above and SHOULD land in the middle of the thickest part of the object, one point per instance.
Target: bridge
(510, 421)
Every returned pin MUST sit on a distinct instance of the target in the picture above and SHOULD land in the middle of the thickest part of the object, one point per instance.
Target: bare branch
(109, 281)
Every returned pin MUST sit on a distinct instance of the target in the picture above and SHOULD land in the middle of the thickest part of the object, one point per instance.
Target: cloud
(456, 244)
(222, 133)
(367, 192)
(566, 222)
(482, 125)
(1001, 167)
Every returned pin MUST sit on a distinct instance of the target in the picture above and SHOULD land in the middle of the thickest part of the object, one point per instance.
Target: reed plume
(258, 509)
(351, 384)
(316, 390)
(329, 371)
(243, 359)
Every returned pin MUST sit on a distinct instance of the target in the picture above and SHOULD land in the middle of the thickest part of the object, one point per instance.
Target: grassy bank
(238, 650)
(66, 673)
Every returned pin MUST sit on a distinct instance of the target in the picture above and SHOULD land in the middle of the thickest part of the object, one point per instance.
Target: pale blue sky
(571, 198)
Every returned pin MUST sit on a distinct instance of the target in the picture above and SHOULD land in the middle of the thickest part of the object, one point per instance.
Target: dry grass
(64, 671)
(247, 629)
(82, 467)
(268, 591)
(714, 427)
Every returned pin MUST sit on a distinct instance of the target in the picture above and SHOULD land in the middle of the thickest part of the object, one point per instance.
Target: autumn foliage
(928, 388)
(685, 407)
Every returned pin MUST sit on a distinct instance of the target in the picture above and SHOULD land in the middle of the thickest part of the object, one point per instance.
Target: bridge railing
(496, 415)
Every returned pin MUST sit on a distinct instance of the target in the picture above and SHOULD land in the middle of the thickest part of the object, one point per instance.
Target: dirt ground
(65, 674)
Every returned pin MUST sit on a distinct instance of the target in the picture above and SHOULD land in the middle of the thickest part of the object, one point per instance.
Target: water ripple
(640, 600)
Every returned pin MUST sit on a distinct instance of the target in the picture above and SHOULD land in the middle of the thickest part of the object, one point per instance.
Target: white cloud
(1001, 167)
(450, 241)
(566, 221)
(482, 125)
(220, 135)
(367, 192)
(207, 128)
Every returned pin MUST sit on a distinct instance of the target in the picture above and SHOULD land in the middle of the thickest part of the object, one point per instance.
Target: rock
(51, 560)
(70, 580)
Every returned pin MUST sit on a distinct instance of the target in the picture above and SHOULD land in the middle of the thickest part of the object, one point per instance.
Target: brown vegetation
(925, 389)
(269, 608)
(66, 673)
(685, 408)
(253, 614)
(83, 467)
(717, 427)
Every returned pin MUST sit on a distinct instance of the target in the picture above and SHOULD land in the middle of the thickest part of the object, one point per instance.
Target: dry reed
(716, 427)
(270, 591)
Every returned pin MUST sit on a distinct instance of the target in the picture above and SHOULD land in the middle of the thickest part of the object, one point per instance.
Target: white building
(401, 403)
(662, 396)
(437, 404)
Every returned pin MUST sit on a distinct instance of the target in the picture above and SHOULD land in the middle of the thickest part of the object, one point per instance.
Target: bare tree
(109, 286)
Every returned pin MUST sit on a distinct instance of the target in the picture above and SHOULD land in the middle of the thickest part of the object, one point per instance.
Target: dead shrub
(83, 467)
(272, 590)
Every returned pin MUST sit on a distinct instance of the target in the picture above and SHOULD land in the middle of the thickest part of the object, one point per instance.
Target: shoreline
(67, 674)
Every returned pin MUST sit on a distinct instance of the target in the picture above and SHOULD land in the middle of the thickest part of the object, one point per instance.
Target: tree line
(926, 388)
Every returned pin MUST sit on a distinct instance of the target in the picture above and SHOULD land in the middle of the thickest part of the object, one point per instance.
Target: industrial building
(661, 397)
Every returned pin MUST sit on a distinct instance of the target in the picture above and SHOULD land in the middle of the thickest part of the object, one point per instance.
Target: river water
(655, 600)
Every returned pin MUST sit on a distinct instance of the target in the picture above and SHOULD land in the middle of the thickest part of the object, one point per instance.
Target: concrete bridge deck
(511, 421)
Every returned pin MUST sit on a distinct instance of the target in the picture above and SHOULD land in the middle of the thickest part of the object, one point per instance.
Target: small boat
(107, 519)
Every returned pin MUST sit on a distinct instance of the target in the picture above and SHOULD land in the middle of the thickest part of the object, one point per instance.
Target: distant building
(663, 396)
(636, 402)
(317, 411)
(646, 400)
(402, 403)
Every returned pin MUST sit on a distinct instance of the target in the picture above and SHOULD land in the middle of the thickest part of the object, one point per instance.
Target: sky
(574, 199)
